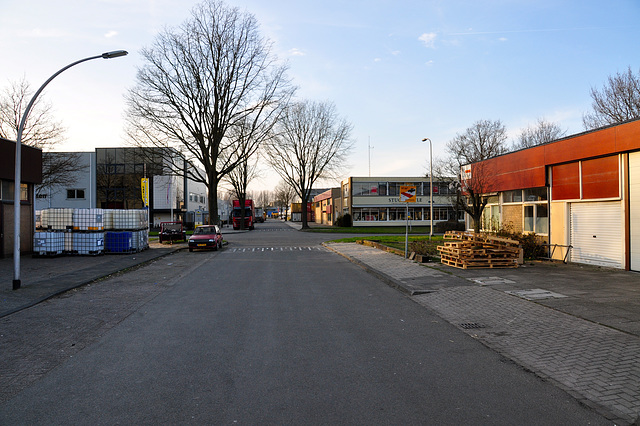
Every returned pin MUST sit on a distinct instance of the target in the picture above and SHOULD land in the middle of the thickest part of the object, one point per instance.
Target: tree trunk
(213, 198)
(305, 223)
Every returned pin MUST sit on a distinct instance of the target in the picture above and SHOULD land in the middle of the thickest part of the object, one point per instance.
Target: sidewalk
(578, 326)
(45, 277)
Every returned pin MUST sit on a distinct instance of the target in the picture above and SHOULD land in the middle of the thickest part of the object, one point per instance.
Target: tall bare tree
(284, 194)
(311, 143)
(200, 81)
(483, 140)
(41, 131)
(542, 132)
(616, 102)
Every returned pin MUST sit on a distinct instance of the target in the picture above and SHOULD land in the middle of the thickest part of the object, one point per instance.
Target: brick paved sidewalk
(596, 364)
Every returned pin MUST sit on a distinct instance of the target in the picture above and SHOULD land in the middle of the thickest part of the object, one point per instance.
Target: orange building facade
(581, 194)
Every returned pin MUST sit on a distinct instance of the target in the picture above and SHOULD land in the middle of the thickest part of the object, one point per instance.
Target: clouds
(296, 52)
(428, 39)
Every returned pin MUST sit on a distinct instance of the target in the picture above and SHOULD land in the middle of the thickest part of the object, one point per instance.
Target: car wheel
(190, 249)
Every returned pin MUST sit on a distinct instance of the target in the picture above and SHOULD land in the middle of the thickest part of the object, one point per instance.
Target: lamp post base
(16, 284)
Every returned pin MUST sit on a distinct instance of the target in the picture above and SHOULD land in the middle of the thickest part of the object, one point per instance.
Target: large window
(535, 194)
(6, 191)
(512, 196)
(491, 218)
(536, 218)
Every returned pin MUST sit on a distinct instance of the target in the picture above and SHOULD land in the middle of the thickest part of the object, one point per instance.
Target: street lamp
(18, 165)
(430, 186)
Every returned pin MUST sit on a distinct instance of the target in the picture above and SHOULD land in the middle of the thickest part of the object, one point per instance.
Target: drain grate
(471, 325)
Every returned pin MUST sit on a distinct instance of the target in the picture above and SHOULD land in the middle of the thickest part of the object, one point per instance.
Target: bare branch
(618, 101)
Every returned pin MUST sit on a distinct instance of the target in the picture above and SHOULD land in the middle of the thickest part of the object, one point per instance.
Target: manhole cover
(491, 280)
(535, 294)
(471, 325)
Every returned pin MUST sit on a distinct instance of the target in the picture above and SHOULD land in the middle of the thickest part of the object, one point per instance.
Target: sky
(398, 70)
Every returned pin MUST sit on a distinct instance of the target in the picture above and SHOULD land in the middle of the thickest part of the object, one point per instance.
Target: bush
(450, 225)
(344, 221)
(423, 247)
(530, 243)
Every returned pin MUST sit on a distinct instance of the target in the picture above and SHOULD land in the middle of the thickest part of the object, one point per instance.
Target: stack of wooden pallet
(477, 250)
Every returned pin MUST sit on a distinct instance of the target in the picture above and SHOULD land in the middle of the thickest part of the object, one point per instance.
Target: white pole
(406, 235)
(18, 163)
(431, 188)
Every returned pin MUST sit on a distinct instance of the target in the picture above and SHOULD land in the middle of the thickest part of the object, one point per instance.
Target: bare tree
(41, 131)
(616, 102)
(199, 82)
(541, 133)
(483, 140)
(284, 194)
(312, 143)
(265, 198)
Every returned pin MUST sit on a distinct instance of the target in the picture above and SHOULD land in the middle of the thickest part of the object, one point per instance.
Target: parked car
(171, 231)
(206, 237)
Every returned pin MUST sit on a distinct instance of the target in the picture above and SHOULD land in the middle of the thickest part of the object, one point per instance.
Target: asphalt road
(274, 329)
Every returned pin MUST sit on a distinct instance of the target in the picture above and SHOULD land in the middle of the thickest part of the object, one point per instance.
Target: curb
(380, 275)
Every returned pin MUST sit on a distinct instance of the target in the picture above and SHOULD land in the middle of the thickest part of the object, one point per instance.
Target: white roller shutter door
(634, 209)
(596, 233)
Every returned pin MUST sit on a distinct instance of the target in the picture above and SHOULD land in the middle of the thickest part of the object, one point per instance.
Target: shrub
(530, 243)
(423, 247)
(344, 221)
(450, 225)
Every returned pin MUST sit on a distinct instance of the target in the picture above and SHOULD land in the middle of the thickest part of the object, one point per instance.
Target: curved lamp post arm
(18, 164)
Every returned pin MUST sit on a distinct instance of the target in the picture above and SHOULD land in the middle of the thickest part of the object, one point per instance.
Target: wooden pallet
(471, 250)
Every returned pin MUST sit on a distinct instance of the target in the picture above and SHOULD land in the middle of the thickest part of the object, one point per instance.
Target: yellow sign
(144, 184)
(408, 194)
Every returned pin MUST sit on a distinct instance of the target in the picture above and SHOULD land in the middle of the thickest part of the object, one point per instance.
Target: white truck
(259, 218)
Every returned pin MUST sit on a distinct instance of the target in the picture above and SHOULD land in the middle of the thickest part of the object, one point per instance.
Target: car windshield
(202, 230)
(172, 227)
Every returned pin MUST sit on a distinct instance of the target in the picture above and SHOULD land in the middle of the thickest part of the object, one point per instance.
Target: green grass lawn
(395, 241)
(370, 230)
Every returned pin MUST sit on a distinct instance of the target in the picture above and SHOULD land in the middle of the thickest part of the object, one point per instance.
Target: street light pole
(430, 186)
(18, 164)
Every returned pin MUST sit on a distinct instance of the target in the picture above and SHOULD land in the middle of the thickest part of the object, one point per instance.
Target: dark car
(206, 237)
(171, 231)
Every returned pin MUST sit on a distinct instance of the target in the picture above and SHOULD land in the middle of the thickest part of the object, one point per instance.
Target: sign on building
(408, 194)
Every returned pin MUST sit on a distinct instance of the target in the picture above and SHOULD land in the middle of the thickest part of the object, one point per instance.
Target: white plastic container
(57, 219)
(48, 243)
(88, 220)
(88, 243)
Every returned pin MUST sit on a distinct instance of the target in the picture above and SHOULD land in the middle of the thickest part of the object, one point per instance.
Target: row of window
(383, 214)
(393, 188)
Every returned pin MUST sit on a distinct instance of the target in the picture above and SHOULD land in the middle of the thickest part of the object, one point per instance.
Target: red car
(206, 237)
